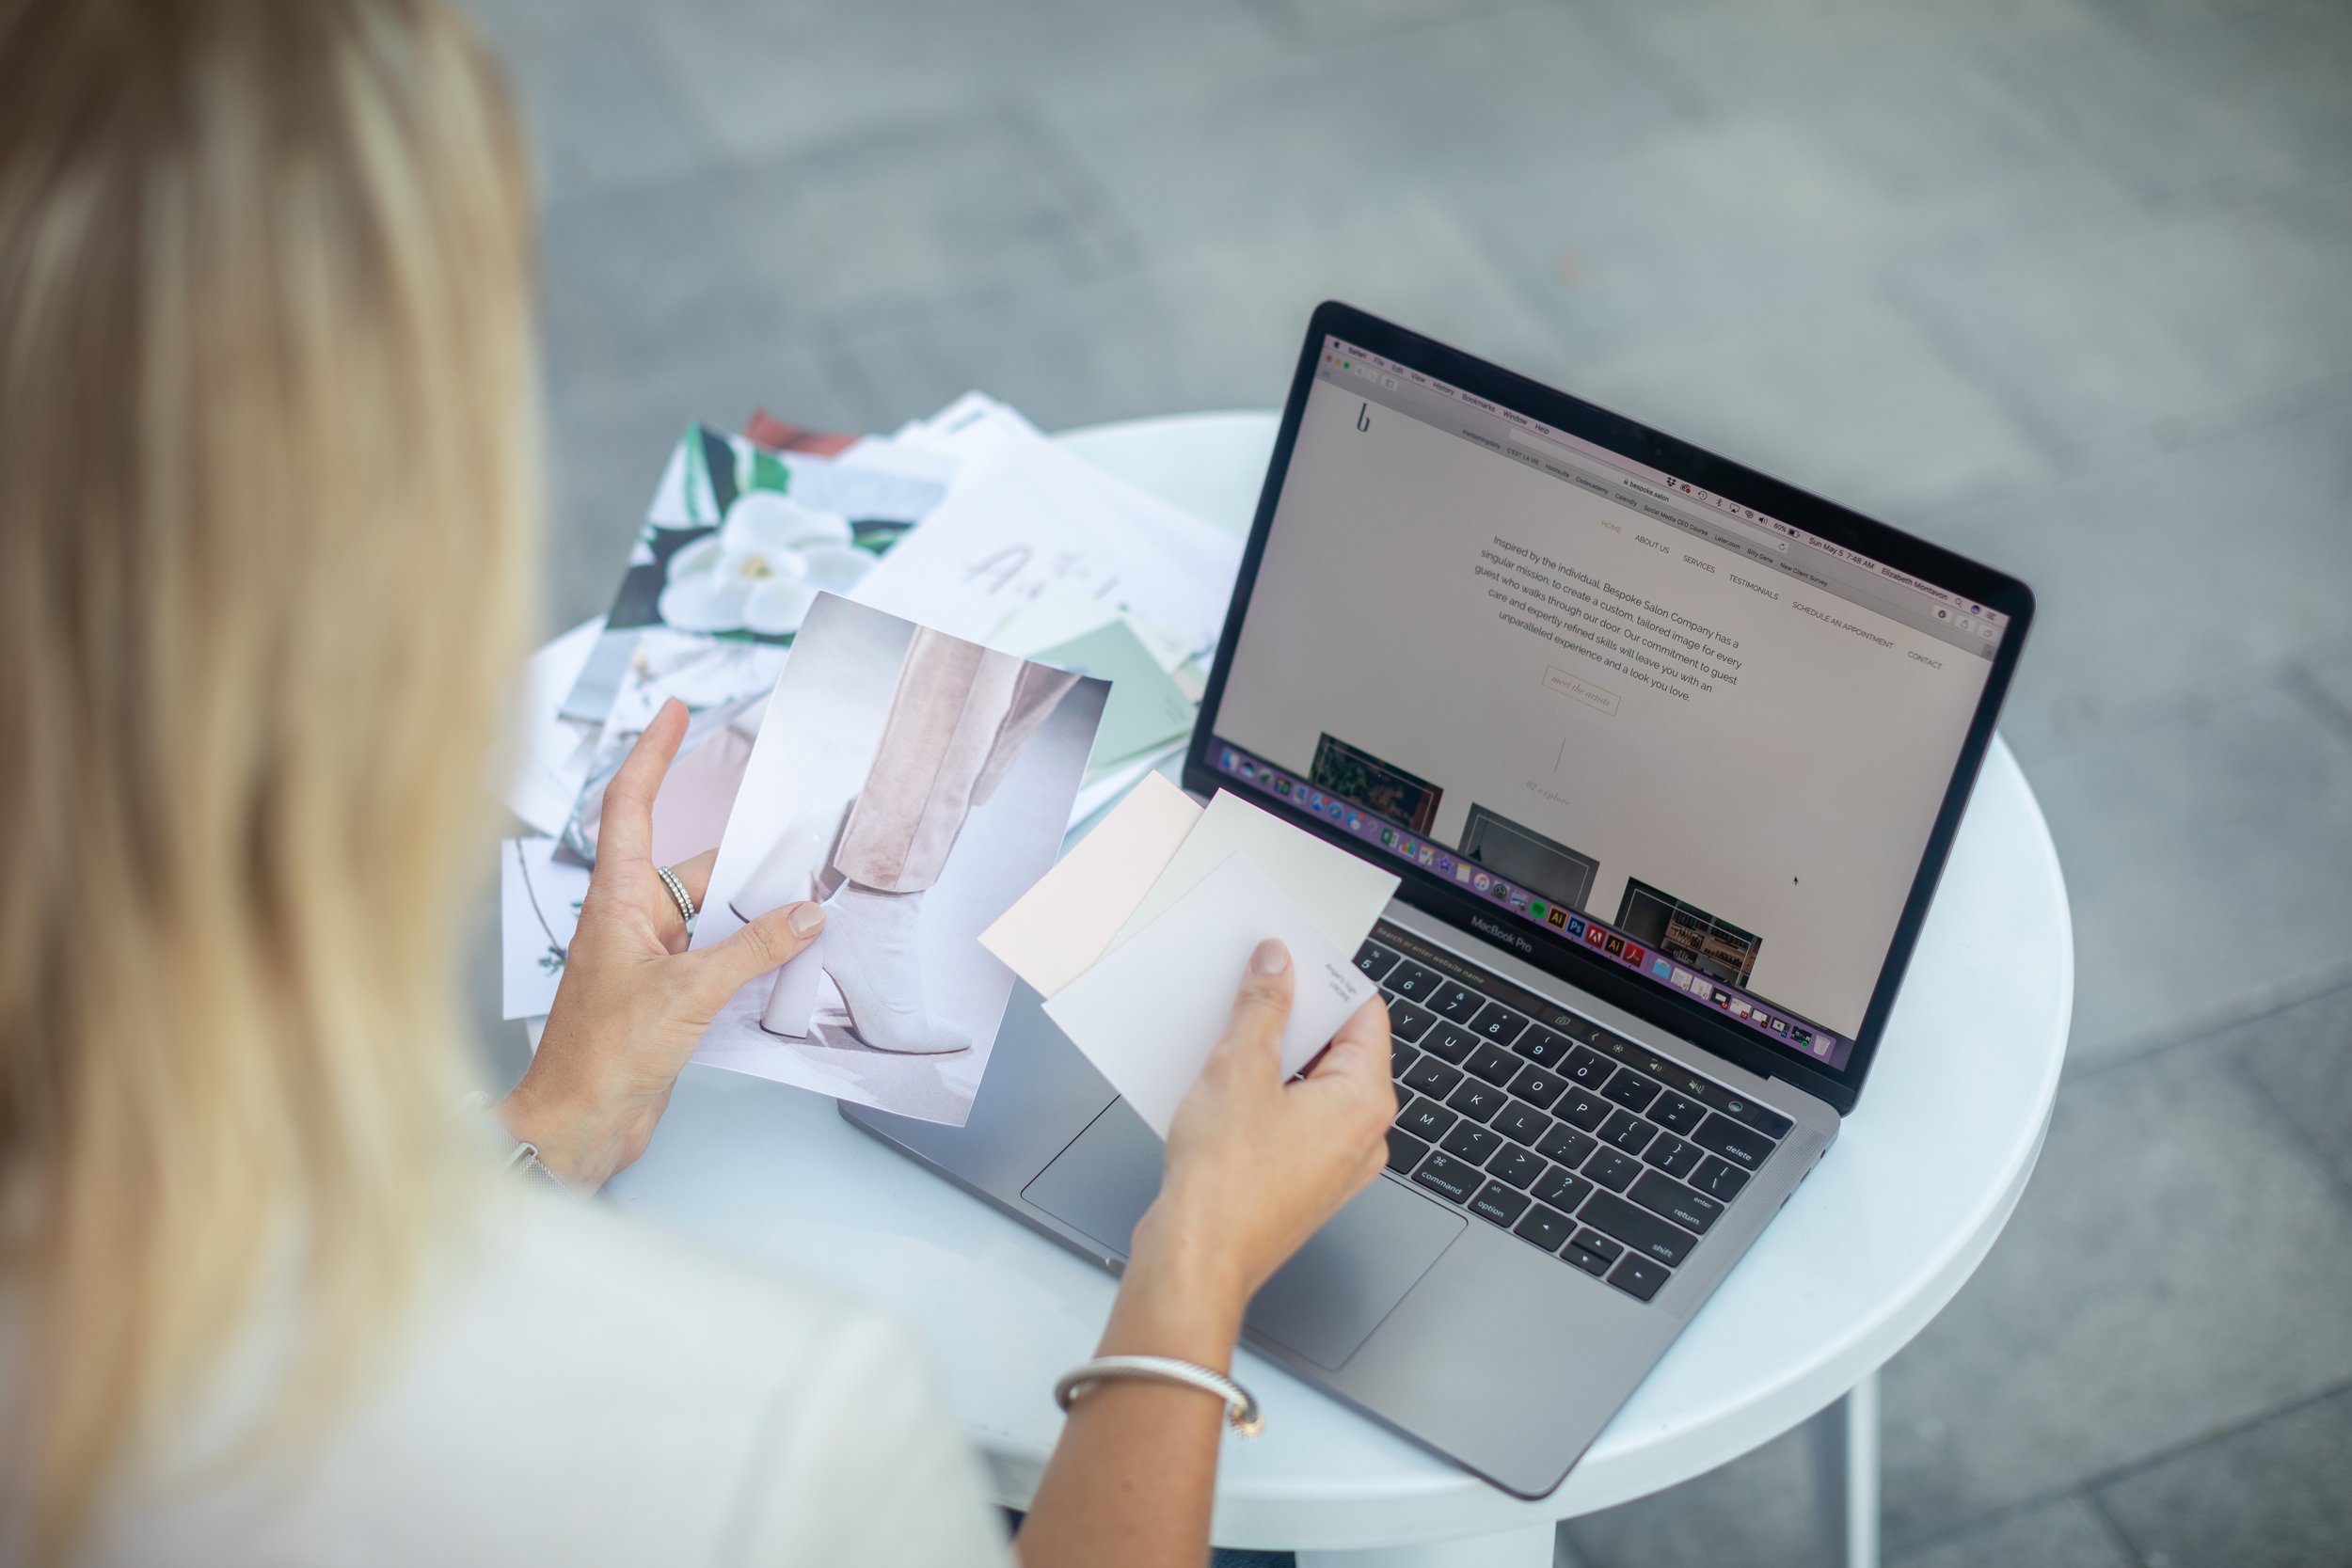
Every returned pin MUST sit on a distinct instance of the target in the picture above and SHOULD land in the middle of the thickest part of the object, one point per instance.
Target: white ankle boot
(799, 864)
(869, 948)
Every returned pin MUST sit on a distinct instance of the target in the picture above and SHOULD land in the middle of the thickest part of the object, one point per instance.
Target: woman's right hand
(1255, 1164)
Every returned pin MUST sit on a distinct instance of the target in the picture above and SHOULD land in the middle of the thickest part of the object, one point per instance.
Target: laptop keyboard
(1576, 1140)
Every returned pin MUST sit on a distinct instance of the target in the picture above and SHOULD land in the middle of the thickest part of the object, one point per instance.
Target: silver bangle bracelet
(1241, 1405)
(517, 1154)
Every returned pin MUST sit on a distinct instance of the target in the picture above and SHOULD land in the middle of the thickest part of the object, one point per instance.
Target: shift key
(1638, 1228)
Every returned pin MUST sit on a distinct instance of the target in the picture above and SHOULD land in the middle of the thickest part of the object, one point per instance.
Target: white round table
(1888, 1227)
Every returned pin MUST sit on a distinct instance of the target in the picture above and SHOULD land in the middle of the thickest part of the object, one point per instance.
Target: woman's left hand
(633, 1002)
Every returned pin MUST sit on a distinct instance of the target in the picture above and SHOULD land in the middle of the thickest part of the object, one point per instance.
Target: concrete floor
(2065, 283)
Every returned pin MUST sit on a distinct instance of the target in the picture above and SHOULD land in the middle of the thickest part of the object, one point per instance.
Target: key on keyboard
(1431, 1076)
(1563, 1190)
(1411, 982)
(1520, 1168)
(1522, 1123)
(1406, 1021)
(1585, 1110)
(1426, 1119)
(1456, 1002)
(1567, 1145)
(1548, 1229)
(1472, 1142)
(1542, 1047)
(1479, 1102)
(1494, 1064)
(1498, 1023)
(1450, 1039)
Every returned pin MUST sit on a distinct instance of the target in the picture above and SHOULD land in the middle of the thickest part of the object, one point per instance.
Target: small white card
(1339, 894)
(1148, 1013)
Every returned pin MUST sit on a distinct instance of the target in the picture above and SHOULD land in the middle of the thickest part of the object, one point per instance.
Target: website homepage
(1707, 744)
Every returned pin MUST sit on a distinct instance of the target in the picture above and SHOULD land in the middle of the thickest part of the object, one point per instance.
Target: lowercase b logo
(1364, 416)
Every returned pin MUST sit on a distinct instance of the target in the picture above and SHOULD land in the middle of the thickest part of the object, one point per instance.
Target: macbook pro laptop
(1668, 756)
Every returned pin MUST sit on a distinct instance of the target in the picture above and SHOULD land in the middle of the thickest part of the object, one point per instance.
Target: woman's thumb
(1263, 1004)
(762, 946)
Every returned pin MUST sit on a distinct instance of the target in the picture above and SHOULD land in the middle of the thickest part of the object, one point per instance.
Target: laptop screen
(1619, 708)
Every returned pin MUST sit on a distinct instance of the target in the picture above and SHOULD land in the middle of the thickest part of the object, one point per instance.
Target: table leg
(1530, 1547)
(1844, 1441)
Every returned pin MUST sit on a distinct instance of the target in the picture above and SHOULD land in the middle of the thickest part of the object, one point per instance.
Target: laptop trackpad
(1323, 1302)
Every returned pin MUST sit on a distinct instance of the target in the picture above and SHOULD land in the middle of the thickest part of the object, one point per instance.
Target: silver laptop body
(1500, 1290)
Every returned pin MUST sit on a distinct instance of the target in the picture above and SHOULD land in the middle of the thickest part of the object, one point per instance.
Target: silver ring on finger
(678, 895)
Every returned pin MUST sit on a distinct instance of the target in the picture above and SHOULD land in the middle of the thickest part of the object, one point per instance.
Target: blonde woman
(267, 509)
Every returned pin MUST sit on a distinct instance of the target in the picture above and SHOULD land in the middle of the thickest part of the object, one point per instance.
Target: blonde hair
(267, 510)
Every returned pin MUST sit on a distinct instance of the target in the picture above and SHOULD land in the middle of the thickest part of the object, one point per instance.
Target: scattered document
(697, 795)
(764, 429)
(1148, 1014)
(1059, 928)
(1024, 517)
(1061, 614)
(551, 758)
(1341, 894)
(539, 899)
(1056, 615)
(738, 542)
(971, 424)
(725, 688)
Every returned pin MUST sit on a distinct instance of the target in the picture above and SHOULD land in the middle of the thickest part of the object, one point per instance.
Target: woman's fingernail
(806, 920)
(1271, 958)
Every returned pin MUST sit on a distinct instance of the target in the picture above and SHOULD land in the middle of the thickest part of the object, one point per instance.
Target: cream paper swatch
(1063, 924)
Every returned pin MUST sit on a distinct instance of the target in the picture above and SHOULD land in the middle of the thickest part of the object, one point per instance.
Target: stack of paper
(972, 521)
(1139, 937)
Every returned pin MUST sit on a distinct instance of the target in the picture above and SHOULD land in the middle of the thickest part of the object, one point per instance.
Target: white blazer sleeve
(862, 1462)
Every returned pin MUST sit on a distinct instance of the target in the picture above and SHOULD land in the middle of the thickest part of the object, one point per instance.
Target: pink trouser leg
(958, 720)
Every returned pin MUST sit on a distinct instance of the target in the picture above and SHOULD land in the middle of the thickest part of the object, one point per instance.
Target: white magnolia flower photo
(761, 571)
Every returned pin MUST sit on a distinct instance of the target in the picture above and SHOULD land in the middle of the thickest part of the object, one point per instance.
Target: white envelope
(1063, 924)
(1341, 894)
(1149, 1010)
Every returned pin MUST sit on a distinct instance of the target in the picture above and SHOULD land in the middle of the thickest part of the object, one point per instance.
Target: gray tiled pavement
(2065, 283)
